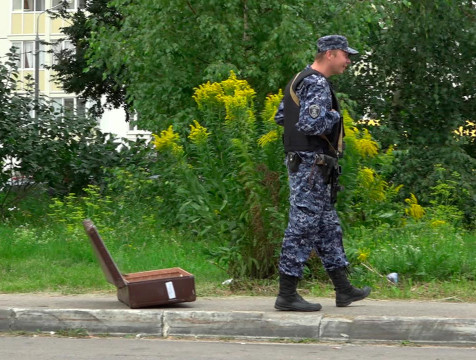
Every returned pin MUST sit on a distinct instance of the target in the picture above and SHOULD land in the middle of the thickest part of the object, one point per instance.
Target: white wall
(114, 121)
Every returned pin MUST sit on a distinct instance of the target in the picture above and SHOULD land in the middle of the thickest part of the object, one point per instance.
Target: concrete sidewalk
(246, 317)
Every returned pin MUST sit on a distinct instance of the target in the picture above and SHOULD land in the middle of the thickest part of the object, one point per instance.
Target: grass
(53, 260)
(419, 249)
(38, 254)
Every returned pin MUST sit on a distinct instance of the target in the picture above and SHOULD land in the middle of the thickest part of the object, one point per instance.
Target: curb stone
(424, 330)
(5, 319)
(94, 321)
(245, 324)
(241, 324)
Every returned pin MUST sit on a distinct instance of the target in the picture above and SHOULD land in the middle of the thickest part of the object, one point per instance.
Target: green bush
(62, 152)
(226, 181)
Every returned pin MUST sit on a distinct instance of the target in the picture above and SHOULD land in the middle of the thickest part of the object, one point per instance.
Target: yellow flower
(369, 122)
(375, 187)
(271, 105)
(232, 84)
(469, 130)
(208, 94)
(363, 255)
(367, 176)
(373, 122)
(168, 140)
(414, 209)
(436, 223)
(268, 138)
(351, 131)
(238, 106)
(236, 95)
(366, 146)
(348, 121)
(198, 133)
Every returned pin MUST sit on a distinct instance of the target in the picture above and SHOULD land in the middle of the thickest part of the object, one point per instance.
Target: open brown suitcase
(142, 289)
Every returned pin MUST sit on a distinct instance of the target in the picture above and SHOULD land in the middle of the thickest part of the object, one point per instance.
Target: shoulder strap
(296, 80)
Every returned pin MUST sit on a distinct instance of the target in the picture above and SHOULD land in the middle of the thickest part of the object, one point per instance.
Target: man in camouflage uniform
(313, 131)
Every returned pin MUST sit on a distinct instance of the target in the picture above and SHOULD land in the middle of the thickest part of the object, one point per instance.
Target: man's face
(339, 61)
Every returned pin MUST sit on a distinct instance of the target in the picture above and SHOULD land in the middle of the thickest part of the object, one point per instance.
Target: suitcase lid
(109, 267)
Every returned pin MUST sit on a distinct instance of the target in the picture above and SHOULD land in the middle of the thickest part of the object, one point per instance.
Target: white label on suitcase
(170, 289)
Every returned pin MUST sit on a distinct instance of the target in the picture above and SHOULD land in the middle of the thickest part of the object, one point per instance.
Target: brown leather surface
(146, 288)
(108, 266)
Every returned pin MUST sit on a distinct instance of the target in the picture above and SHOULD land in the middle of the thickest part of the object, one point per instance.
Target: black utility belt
(324, 160)
(327, 161)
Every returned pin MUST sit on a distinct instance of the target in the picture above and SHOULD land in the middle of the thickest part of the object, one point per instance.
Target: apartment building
(20, 22)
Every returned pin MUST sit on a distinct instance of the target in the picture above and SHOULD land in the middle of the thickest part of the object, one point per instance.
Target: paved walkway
(244, 317)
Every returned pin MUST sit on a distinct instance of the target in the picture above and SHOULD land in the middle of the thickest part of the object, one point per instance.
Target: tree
(61, 151)
(71, 66)
(419, 80)
(160, 50)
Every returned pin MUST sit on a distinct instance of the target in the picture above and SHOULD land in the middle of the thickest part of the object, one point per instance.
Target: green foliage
(71, 210)
(420, 71)
(449, 198)
(71, 67)
(419, 251)
(368, 198)
(418, 79)
(425, 172)
(63, 152)
(177, 45)
(226, 181)
(221, 179)
(127, 198)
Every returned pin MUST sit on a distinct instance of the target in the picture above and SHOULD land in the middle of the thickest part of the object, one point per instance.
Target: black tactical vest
(295, 140)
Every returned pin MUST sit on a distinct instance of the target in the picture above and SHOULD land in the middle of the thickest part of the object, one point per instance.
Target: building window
(59, 47)
(26, 51)
(28, 5)
(69, 106)
(70, 4)
(39, 5)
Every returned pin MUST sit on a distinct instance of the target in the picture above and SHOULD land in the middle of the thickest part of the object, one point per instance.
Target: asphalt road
(53, 348)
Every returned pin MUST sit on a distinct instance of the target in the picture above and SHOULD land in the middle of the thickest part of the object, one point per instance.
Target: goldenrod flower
(168, 140)
(414, 209)
(232, 84)
(236, 95)
(363, 255)
(238, 106)
(436, 223)
(268, 138)
(348, 121)
(350, 130)
(271, 105)
(198, 133)
(375, 187)
(367, 176)
(366, 146)
(208, 94)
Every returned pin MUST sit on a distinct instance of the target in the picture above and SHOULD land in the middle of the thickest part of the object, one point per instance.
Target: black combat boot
(288, 298)
(345, 292)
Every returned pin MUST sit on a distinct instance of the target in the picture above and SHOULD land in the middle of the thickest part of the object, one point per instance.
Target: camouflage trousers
(313, 222)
